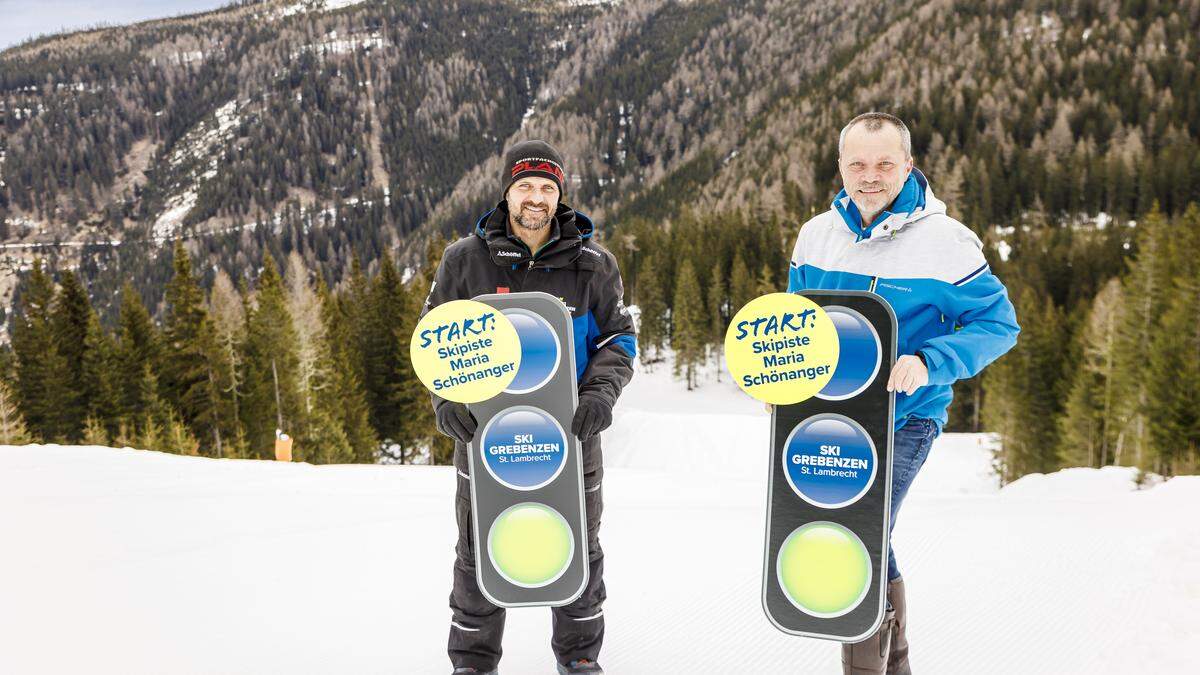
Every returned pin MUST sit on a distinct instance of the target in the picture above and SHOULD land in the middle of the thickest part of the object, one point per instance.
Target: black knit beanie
(531, 158)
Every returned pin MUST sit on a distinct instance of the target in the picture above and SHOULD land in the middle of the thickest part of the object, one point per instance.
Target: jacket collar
(915, 201)
(569, 229)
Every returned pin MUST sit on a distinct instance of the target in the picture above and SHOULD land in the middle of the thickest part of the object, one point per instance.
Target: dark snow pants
(477, 626)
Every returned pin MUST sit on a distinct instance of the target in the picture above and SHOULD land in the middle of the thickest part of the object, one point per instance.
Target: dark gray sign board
(525, 462)
(830, 482)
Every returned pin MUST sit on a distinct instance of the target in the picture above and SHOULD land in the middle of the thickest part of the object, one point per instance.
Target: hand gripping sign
(528, 516)
(825, 559)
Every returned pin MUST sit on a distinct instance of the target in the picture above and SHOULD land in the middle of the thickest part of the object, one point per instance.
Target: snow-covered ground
(126, 561)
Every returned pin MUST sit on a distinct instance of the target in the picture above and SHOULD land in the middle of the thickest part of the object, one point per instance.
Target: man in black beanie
(531, 241)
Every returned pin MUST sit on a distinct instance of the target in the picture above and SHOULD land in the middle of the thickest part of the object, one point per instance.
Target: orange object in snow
(283, 446)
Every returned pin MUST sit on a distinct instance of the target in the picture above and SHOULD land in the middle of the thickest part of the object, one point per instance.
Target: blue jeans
(910, 448)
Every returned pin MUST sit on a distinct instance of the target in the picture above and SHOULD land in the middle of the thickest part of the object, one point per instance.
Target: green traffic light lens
(824, 569)
(530, 545)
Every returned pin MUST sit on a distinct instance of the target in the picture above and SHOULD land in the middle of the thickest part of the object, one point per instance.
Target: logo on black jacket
(509, 254)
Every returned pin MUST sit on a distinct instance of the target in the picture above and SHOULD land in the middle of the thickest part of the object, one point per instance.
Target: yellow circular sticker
(465, 351)
(781, 348)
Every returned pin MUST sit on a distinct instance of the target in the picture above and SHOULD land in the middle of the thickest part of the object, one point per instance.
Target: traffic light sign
(829, 490)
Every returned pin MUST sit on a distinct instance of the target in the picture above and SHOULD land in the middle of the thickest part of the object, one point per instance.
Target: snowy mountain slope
(125, 561)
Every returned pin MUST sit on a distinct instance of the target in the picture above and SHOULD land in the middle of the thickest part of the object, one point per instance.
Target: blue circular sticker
(539, 351)
(859, 357)
(829, 460)
(524, 448)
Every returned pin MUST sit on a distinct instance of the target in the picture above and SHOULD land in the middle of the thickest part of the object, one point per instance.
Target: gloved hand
(591, 417)
(455, 421)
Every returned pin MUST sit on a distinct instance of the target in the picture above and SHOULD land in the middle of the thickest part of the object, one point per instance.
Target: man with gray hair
(886, 233)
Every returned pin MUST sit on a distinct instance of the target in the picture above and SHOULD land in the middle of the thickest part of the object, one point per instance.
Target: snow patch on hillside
(335, 44)
(181, 58)
(313, 6)
(201, 146)
(177, 208)
(592, 3)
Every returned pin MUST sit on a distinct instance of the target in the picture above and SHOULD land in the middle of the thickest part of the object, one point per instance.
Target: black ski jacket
(571, 267)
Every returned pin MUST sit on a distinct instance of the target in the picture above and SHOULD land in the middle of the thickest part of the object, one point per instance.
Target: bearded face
(532, 202)
(872, 195)
(874, 167)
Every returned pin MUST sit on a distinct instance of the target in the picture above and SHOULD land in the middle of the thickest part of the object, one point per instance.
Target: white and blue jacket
(950, 308)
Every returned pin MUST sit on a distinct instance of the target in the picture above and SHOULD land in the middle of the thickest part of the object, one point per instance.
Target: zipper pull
(530, 264)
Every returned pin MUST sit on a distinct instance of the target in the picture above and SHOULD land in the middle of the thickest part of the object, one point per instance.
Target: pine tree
(1021, 407)
(126, 436)
(229, 335)
(353, 305)
(1147, 287)
(151, 436)
(70, 326)
(139, 347)
(187, 381)
(272, 396)
(1088, 431)
(70, 320)
(12, 425)
(94, 432)
(742, 287)
(97, 374)
(305, 309)
(717, 303)
(766, 281)
(688, 324)
(408, 395)
(1173, 369)
(42, 382)
(321, 438)
(178, 438)
(350, 404)
(652, 303)
(149, 421)
(389, 309)
(966, 406)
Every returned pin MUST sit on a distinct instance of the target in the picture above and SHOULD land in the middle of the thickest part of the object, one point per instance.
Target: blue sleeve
(987, 329)
(796, 278)
(796, 281)
(611, 341)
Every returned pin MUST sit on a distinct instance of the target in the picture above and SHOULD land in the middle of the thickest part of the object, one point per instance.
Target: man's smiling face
(532, 201)
(874, 167)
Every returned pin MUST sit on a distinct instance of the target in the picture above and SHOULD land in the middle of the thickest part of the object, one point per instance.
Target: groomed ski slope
(126, 561)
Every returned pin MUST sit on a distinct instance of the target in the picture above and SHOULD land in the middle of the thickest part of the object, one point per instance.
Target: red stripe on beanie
(537, 165)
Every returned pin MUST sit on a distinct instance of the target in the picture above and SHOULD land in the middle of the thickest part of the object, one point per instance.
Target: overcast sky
(23, 19)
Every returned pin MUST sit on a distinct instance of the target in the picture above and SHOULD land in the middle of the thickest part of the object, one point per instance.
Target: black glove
(591, 417)
(455, 421)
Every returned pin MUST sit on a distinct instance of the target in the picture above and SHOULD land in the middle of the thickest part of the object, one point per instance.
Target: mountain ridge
(351, 128)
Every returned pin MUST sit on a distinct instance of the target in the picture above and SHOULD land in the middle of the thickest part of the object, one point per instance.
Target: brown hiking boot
(898, 658)
(870, 657)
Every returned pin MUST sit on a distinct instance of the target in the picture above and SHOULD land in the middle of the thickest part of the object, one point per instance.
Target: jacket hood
(569, 229)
